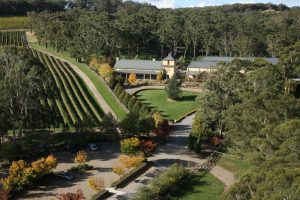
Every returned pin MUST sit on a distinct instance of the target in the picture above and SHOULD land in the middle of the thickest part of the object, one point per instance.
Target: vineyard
(75, 103)
(14, 23)
(13, 38)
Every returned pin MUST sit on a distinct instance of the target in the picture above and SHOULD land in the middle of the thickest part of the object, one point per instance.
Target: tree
(128, 128)
(105, 70)
(173, 88)
(290, 64)
(132, 78)
(109, 125)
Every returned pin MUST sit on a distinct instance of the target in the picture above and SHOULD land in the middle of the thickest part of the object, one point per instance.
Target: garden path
(137, 89)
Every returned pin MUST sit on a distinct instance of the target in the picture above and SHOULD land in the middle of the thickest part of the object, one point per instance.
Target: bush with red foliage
(148, 147)
(163, 129)
(216, 141)
(71, 196)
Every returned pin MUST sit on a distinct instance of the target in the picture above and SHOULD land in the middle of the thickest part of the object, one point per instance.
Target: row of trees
(257, 115)
(144, 29)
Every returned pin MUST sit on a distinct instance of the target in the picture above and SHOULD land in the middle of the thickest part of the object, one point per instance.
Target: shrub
(118, 89)
(71, 196)
(131, 102)
(173, 88)
(163, 129)
(148, 147)
(158, 118)
(130, 146)
(159, 76)
(131, 161)
(81, 157)
(168, 179)
(4, 194)
(126, 99)
(120, 170)
(122, 95)
(96, 183)
(144, 193)
(136, 107)
(22, 173)
(132, 78)
(105, 70)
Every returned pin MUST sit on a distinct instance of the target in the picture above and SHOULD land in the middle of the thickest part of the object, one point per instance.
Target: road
(176, 151)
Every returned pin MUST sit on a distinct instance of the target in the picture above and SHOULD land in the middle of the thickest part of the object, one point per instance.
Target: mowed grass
(103, 90)
(201, 187)
(157, 99)
(21, 22)
(234, 165)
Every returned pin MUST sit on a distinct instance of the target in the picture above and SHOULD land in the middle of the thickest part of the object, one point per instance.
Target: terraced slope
(75, 101)
(13, 38)
(107, 98)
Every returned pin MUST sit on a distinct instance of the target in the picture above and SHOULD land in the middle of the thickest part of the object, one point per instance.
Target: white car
(93, 147)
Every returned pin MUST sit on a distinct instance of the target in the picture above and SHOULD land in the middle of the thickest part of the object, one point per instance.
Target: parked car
(93, 147)
(65, 175)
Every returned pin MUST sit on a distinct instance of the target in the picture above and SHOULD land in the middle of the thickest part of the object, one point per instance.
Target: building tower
(169, 65)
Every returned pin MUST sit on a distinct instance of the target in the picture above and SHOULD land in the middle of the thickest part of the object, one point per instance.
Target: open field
(14, 22)
(103, 89)
(157, 99)
(201, 186)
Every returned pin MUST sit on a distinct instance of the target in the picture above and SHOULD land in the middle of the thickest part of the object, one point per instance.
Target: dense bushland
(256, 114)
(144, 30)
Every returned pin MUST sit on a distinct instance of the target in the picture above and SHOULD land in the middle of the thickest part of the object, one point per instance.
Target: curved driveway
(176, 151)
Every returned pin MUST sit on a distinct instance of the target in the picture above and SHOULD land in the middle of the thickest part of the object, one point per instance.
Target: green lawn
(234, 165)
(171, 110)
(201, 187)
(103, 90)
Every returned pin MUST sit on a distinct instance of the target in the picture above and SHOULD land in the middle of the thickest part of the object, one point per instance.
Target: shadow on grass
(188, 98)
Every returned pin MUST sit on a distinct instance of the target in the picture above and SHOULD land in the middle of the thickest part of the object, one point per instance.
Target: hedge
(125, 179)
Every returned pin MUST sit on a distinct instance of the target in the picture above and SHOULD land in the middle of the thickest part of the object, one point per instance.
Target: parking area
(102, 160)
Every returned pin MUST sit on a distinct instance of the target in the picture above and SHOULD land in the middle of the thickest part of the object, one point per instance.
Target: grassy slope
(200, 187)
(234, 165)
(108, 97)
(171, 110)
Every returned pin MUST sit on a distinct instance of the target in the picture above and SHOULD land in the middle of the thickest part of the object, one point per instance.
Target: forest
(142, 30)
(257, 115)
